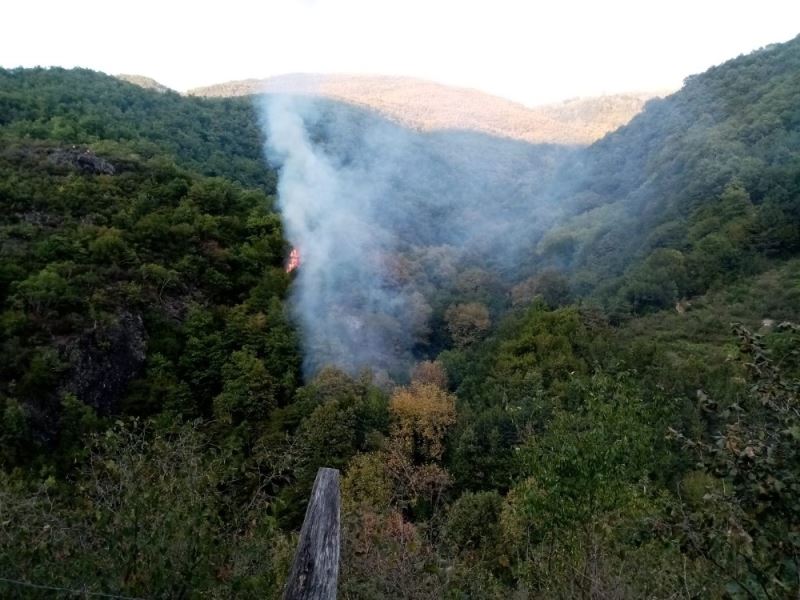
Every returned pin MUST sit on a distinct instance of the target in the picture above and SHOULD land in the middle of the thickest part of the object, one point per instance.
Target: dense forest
(613, 416)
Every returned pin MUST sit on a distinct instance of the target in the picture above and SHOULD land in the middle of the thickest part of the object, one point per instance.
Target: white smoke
(378, 211)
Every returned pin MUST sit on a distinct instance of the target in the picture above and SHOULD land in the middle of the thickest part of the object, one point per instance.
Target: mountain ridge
(427, 105)
(145, 82)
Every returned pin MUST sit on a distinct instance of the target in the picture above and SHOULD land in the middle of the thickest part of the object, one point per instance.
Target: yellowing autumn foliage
(422, 414)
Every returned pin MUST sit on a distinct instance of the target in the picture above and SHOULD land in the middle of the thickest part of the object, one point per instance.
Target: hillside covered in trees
(612, 414)
(430, 106)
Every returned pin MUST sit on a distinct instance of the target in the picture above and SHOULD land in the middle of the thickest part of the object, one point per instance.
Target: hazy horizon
(532, 55)
(343, 75)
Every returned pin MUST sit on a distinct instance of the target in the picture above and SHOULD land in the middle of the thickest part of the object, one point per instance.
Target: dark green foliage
(341, 416)
(156, 438)
(79, 106)
(191, 260)
(133, 284)
(248, 391)
(590, 459)
(472, 522)
(147, 522)
(709, 173)
(744, 519)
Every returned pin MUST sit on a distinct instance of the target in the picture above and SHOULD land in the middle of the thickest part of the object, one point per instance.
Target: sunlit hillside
(147, 83)
(427, 105)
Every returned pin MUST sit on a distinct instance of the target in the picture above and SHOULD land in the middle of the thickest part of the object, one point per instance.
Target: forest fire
(294, 260)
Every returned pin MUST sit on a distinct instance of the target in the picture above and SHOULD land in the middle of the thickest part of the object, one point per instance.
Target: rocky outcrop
(81, 159)
(104, 360)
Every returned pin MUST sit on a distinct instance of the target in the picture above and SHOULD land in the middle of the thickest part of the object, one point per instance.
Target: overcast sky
(529, 51)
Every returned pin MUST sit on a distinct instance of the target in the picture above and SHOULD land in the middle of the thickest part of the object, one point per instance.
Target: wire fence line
(53, 588)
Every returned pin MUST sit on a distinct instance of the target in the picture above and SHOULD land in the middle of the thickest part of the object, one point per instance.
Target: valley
(552, 351)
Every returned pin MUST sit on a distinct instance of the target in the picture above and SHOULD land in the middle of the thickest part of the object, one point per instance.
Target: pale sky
(529, 51)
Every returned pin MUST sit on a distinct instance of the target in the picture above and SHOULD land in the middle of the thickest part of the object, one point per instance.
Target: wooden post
(315, 569)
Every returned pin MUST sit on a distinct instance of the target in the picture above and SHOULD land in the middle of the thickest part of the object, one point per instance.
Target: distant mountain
(147, 83)
(430, 106)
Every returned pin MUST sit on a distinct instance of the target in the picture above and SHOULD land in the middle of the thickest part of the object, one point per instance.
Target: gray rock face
(104, 360)
(82, 159)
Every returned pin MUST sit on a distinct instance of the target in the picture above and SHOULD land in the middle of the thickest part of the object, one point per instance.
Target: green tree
(248, 390)
(745, 527)
(467, 323)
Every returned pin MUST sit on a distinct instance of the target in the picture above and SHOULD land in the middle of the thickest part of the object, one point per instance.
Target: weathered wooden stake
(315, 570)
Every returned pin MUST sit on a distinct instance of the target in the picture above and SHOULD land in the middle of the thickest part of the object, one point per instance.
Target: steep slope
(705, 183)
(427, 106)
(684, 197)
(79, 106)
(111, 241)
(139, 298)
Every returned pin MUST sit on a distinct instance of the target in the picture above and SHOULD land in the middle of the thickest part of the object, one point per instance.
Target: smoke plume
(387, 220)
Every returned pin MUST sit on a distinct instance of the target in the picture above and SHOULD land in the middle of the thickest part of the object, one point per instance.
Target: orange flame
(294, 260)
